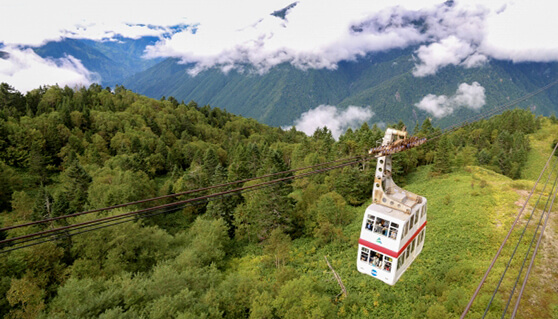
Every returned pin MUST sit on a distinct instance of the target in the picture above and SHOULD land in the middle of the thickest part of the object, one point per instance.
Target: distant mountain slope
(113, 61)
(383, 81)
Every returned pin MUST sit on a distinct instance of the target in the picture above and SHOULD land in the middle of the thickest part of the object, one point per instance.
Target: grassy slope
(470, 212)
(541, 297)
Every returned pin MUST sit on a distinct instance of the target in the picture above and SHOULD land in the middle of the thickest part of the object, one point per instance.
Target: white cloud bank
(25, 70)
(450, 50)
(468, 96)
(243, 33)
(314, 35)
(336, 120)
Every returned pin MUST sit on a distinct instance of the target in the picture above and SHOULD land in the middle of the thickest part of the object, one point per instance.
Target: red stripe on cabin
(378, 248)
(411, 239)
(389, 252)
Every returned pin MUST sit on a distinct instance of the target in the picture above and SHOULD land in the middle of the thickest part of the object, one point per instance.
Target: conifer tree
(210, 162)
(76, 184)
(442, 158)
(223, 207)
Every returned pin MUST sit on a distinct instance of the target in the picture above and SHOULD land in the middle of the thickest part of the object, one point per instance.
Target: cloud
(522, 31)
(34, 22)
(25, 70)
(337, 120)
(468, 96)
(311, 36)
(244, 34)
(462, 33)
(450, 50)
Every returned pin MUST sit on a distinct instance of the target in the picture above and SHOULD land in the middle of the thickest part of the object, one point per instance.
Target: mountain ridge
(382, 81)
(112, 61)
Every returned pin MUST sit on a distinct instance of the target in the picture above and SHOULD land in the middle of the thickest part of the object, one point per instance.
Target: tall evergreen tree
(223, 207)
(37, 162)
(442, 159)
(76, 185)
(210, 162)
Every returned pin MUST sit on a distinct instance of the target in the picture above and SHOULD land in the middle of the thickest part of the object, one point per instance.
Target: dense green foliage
(383, 81)
(258, 254)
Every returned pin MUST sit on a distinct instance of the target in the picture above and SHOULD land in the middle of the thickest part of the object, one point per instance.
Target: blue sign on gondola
(374, 273)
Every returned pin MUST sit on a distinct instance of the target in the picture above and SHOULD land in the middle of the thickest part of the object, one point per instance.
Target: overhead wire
(452, 128)
(255, 178)
(116, 217)
(553, 191)
(106, 223)
(532, 213)
(494, 111)
(499, 251)
(174, 195)
(516, 307)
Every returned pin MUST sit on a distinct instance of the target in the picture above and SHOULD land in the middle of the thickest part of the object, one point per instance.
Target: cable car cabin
(393, 226)
(390, 240)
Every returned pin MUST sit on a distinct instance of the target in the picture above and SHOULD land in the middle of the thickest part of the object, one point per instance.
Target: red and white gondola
(393, 226)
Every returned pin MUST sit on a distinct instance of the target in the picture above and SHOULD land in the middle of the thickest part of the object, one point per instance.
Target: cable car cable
(478, 117)
(68, 233)
(256, 186)
(532, 259)
(532, 213)
(132, 214)
(128, 218)
(174, 195)
(495, 110)
(531, 244)
(477, 290)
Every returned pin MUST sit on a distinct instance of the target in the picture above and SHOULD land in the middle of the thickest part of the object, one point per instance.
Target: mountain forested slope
(382, 81)
(258, 254)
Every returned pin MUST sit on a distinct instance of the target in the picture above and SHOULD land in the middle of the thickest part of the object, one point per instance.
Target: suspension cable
(521, 238)
(530, 245)
(532, 259)
(451, 129)
(174, 195)
(108, 223)
(477, 290)
(109, 218)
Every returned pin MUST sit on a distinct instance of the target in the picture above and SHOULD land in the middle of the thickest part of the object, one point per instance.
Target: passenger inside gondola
(378, 226)
(364, 254)
(393, 230)
(376, 259)
(381, 226)
(385, 228)
(387, 263)
(370, 222)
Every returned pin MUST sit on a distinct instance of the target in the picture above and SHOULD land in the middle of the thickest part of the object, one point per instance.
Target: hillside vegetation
(383, 81)
(259, 254)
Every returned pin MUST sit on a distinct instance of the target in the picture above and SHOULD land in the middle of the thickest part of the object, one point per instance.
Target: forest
(258, 254)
